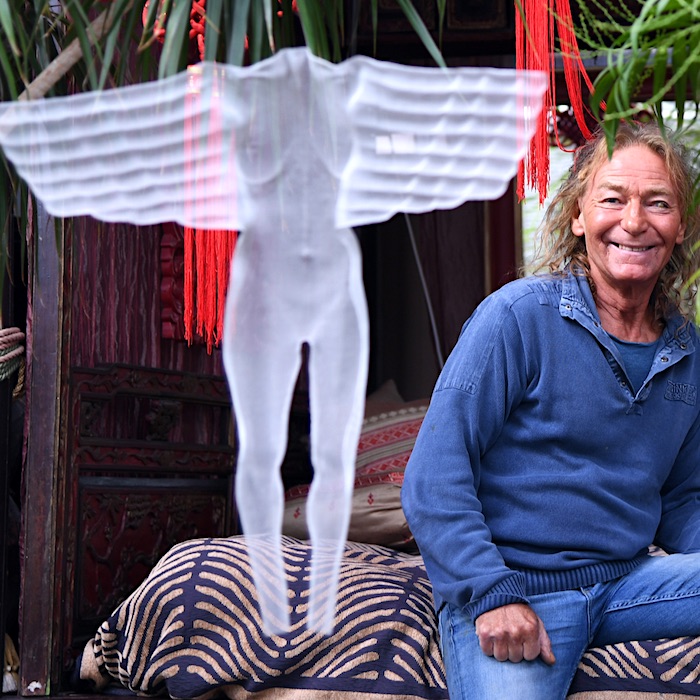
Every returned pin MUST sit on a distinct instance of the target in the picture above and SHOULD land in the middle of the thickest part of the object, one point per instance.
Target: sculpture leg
(338, 363)
(262, 420)
(262, 367)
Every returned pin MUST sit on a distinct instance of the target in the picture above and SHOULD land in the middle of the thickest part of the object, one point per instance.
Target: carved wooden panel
(130, 416)
(469, 15)
(127, 296)
(126, 525)
(391, 18)
(150, 462)
(172, 282)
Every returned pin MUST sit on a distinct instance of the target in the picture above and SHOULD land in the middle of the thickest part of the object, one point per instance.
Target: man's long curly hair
(559, 248)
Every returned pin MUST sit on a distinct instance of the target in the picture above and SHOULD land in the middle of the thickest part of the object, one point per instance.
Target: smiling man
(631, 220)
(563, 438)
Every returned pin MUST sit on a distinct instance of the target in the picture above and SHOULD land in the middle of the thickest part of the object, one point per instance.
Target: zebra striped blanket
(193, 627)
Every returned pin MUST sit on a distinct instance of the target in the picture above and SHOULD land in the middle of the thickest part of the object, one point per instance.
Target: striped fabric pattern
(193, 627)
(662, 668)
(387, 440)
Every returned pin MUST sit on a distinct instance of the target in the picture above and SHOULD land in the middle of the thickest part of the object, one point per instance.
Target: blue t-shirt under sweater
(637, 359)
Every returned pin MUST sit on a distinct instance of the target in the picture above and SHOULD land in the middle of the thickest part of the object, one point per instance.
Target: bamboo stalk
(68, 57)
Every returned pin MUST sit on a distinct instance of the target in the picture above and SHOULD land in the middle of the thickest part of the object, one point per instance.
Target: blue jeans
(660, 598)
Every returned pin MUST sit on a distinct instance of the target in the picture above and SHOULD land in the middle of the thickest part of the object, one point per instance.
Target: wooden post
(44, 344)
(5, 419)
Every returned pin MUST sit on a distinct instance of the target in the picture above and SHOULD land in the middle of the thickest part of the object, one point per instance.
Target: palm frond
(657, 45)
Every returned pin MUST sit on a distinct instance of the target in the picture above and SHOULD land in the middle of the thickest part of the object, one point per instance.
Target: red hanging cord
(534, 50)
(573, 66)
(188, 314)
(207, 252)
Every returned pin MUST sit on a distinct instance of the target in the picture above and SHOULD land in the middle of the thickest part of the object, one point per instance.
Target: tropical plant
(115, 36)
(51, 47)
(650, 48)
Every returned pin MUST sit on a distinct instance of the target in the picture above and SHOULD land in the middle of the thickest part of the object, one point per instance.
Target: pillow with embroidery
(385, 445)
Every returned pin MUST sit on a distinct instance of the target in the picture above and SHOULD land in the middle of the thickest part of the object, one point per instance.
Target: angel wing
(184, 149)
(142, 154)
(429, 138)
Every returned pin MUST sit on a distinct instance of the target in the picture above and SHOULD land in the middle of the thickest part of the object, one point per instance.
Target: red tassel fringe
(534, 50)
(208, 257)
(208, 253)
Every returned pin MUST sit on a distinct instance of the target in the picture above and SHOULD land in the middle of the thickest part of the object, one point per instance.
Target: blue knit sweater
(537, 468)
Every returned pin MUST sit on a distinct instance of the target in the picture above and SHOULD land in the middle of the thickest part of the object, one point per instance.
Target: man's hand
(513, 633)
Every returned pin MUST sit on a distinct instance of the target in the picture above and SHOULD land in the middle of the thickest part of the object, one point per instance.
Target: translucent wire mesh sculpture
(292, 151)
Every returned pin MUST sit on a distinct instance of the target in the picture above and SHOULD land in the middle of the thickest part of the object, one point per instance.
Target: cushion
(192, 629)
(386, 441)
(385, 398)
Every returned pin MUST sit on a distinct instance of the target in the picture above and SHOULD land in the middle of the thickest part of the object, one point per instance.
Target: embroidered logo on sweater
(687, 393)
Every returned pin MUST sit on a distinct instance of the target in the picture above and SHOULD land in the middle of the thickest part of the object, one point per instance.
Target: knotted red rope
(11, 351)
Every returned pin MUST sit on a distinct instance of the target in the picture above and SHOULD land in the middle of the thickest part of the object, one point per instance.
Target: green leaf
(442, 7)
(314, 28)
(334, 23)
(256, 33)
(419, 27)
(284, 35)
(610, 130)
(81, 23)
(237, 33)
(659, 69)
(375, 23)
(37, 40)
(678, 59)
(693, 72)
(123, 24)
(9, 83)
(176, 39)
(266, 7)
(110, 46)
(601, 89)
(670, 5)
(130, 23)
(212, 31)
(7, 23)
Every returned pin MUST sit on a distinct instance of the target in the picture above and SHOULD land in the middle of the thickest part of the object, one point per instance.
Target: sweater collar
(577, 298)
(577, 302)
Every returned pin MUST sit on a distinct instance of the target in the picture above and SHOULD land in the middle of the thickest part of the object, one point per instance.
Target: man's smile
(633, 249)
